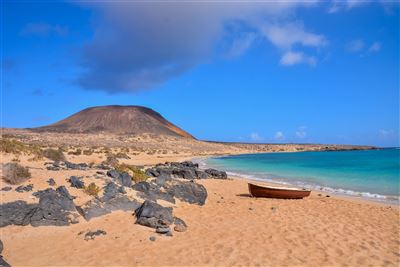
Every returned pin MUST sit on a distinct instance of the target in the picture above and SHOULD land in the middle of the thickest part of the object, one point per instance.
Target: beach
(231, 229)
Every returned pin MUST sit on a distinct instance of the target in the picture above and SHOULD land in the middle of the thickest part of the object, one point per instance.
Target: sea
(371, 174)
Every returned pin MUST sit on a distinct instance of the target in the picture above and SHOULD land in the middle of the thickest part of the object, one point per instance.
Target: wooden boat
(277, 192)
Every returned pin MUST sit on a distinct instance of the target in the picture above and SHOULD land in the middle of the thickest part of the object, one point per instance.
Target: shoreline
(386, 200)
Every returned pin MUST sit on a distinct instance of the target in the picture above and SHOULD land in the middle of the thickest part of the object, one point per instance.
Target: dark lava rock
(75, 182)
(152, 238)
(152, 192)
(51, 182)
(153, 215)
(122, 178)
(53, 209)
(190, 192)
(3, 263)
(112, 200)
(163, 230)
(62, 190)
(180, 228)
(178, 221)
(185, 170)
(91, 235)
(24, 188)
(78, 166)
(216, 174)
(6, 188)
(1, 247)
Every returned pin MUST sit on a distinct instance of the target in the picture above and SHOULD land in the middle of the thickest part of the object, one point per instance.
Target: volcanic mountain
(117, 120)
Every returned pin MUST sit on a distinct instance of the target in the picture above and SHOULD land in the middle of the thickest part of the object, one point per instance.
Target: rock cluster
(55, 207)
(66, 165)
(122, 178)
(113, 199)
(185, 170)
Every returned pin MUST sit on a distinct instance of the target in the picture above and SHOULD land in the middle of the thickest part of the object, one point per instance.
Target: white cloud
(301, 132)
(241, 44)
(279, 136)
(256, 137)
(286, 35)
(386, 133)
(293, 58)
(152, 42)
(375, 47)
(339, 5)
(355, 45)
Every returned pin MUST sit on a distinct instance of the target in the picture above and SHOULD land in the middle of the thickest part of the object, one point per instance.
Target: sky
(240, 71)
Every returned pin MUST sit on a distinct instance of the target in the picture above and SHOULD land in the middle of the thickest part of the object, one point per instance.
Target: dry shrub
(54, 154)
(12, 146)
(137, 174)
(88, 152)
(14, 173)
(77, 152)
(92, 190)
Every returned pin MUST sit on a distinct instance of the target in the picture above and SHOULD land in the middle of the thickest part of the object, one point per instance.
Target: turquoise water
(371, 173)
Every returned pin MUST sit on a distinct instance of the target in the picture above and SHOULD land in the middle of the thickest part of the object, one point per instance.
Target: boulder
(76, 182)
(122, 178)
(112, 200)
(152, 192)
(190, 192)
(153, 215)
(53, 209)
(213, 173)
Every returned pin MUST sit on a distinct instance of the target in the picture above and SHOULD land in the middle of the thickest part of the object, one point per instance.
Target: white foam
(262, 177)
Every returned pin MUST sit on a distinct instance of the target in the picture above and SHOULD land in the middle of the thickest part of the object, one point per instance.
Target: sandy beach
(231, 229)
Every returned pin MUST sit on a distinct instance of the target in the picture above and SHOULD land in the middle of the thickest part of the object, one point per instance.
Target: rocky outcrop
(113, 199)
(76, 182)
(66, 165)
(185, 170)
(122, 178)
(190, 192)
(54, 208)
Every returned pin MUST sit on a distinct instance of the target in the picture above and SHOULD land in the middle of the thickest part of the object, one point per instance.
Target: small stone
(180, 228)
(7, 188)
(91, 235)
(169, 234)
(274, 209)
(152, 238)
(24, 188)
(250, 208)
(51, 182)
(163, 230)
(328, 196)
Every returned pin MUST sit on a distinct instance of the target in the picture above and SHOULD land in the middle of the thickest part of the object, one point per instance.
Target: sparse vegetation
(14, 173)
(92, 190)
(77, 152)
(122, 155)
(111, 160)
(16, 147)
(88, 152)
(137, 174)
(54, 154)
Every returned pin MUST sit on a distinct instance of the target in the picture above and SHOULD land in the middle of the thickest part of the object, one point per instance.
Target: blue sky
(304, 72)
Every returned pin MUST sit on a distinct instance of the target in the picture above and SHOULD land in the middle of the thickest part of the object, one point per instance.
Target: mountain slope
(118, 120)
